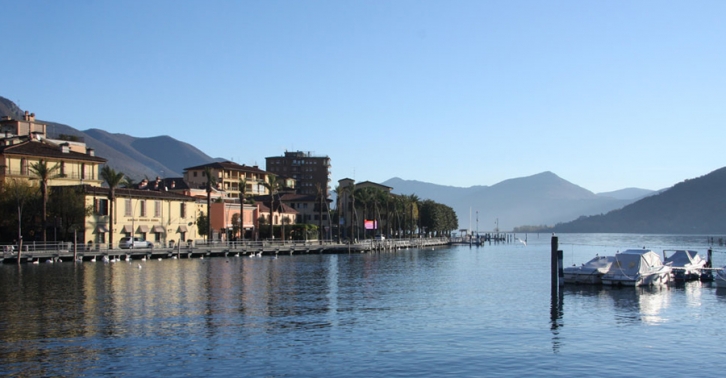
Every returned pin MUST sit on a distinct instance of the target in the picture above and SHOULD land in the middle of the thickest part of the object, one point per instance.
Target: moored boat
(637, 267)
(686, 265)
(590, 272)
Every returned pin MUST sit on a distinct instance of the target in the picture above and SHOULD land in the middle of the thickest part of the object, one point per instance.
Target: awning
(143, 228)
(183, 228)
(159, 229)
(101, 229)
(128, 229)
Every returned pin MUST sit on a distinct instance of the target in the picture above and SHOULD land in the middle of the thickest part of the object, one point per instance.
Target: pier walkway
(66, 252)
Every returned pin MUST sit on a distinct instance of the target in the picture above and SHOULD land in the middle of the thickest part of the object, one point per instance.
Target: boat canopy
(598, 263)
(683, 258)
(635, 261)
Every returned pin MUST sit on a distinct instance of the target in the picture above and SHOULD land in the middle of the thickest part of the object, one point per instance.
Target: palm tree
(338, 193)
(128, 182)
(272, 184)
(320, 198)
(242, 200)
(113, 179)
(211, 183)
(43, 173)
(354, 213)
(413, 201)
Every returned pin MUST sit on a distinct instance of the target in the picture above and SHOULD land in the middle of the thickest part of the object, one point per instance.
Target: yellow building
(161, 217)
(18, 154)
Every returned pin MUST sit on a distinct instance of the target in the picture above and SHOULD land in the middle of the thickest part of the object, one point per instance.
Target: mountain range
(543, 201)
(537, 200)
(137, 158)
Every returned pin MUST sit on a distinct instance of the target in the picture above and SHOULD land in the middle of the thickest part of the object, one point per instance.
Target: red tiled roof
(44, 150)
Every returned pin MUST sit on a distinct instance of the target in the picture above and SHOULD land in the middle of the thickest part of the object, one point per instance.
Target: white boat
(719, 277)
(590, 272)
(686, 265)
(637, 267)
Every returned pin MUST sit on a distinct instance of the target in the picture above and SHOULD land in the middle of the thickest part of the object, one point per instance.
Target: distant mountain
(628, 193)
(695, 206)
(541, 199)
(137, 158)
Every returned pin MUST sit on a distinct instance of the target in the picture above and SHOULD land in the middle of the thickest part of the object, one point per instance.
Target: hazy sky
(606, 94)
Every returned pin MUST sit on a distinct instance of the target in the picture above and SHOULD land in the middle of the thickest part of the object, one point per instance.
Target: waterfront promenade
(67, 252)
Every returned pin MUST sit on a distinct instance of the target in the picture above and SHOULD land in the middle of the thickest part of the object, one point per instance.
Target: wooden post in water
(75, 246)
(560, 268)
(554, 269)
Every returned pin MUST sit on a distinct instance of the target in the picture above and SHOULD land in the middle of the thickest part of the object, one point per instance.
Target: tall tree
(128, 182)
(338, 193)
(242, 200)
(321, 198)
(413, 202)
(211, 183)
(272, 184)
(68, 203)
(113, 179)
(353, 212)
(18, 194)
(44, 174)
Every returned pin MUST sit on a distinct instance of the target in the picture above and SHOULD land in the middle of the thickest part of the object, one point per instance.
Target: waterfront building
(25, 127)
(23, 143)
(162, 217)
(228, 175)
(226, 221)
(74, 168)
(309, 172)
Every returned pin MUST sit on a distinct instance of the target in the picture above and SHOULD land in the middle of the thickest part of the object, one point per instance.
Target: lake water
(450, 311)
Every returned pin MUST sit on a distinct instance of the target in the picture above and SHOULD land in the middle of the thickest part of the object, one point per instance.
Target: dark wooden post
(554, 269)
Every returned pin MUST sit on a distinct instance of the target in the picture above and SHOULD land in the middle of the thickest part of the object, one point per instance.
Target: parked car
(130, 243)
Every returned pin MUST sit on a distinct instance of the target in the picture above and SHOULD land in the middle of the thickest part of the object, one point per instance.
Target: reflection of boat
(590, 272)
(719, 277)
(686, 265)
(637, 267)
(641, 304)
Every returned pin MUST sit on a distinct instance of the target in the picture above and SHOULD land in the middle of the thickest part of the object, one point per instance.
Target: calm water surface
(456, 311)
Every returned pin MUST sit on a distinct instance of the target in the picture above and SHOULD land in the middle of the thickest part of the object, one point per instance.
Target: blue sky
(606, 94)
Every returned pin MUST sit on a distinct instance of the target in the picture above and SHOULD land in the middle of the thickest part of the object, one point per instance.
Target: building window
(101, 206)
(24, 167)
(142, 208)
(183, 211)
(62, 169)
(128, 210)
(157, 209)
(83, 171)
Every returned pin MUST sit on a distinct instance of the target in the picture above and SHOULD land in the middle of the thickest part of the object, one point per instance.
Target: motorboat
(637, 267)
(590, 272)
(719, 277)
(686, 265)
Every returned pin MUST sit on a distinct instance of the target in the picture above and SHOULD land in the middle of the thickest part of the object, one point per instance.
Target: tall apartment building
(308, 171)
